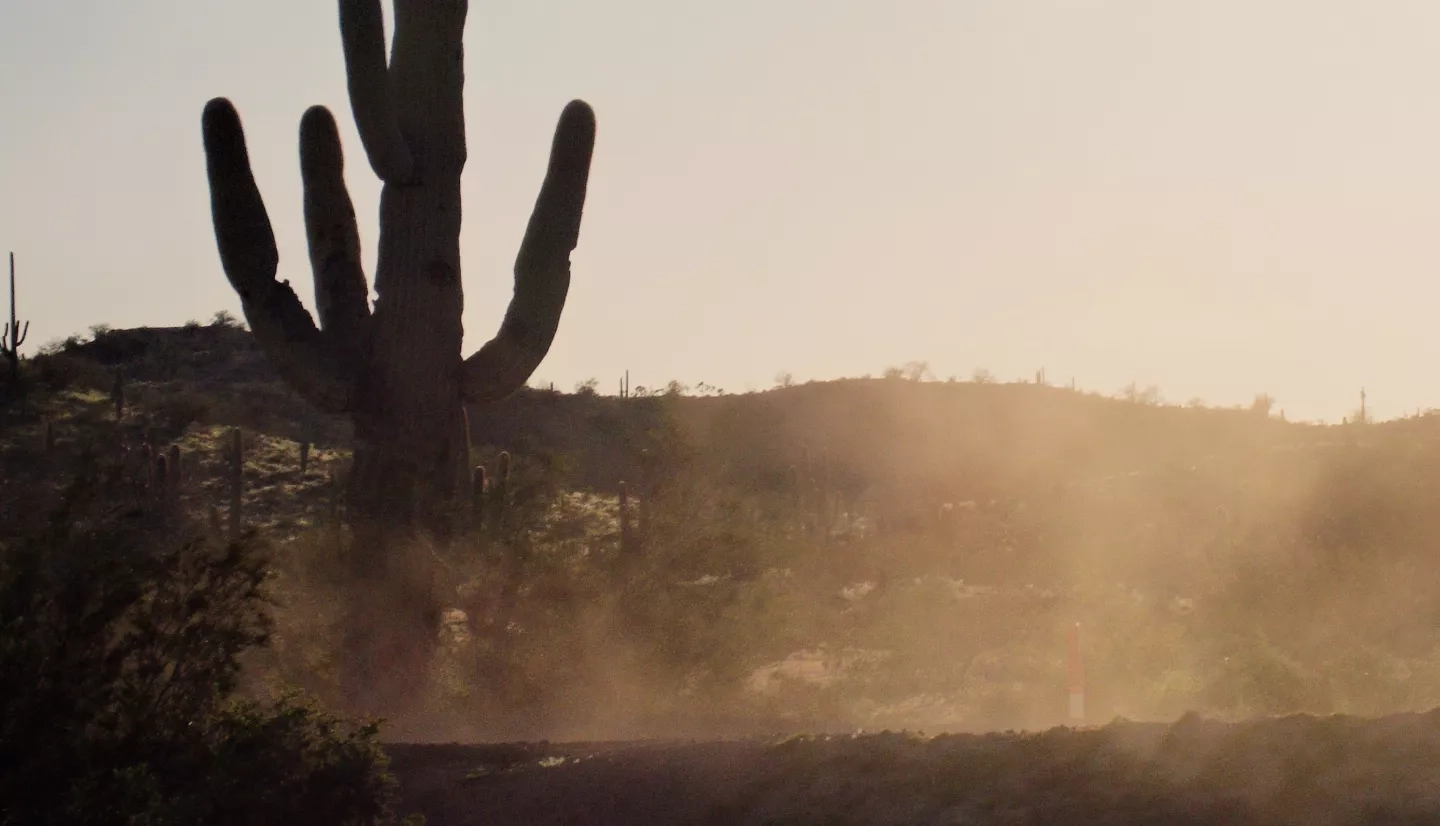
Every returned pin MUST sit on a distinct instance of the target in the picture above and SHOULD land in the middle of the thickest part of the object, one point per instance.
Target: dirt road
(1300, 769)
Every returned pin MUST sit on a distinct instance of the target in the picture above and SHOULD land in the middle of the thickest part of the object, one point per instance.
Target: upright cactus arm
(542, 269)
(9, 345)
(342, 296)
(281, 324)
(367, 77)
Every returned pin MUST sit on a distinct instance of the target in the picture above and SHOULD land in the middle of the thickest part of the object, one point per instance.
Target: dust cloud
(894, 554)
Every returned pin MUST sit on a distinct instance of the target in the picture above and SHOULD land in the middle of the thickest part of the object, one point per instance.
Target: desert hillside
(863, 552)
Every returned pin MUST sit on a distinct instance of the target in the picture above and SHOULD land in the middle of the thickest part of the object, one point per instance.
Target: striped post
(1077, 676)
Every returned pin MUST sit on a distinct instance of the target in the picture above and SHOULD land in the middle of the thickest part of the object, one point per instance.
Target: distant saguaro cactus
(14, 334)
(304, 457)
(396, 370)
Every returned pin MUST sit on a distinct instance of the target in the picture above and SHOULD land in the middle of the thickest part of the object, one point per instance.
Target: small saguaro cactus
(235, 478)
(304, 457)
(14, 334)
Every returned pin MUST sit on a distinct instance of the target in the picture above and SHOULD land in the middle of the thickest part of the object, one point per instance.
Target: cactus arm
(362, 34)
(280, 323)
(542, 268)
(341, 293)
(10, 344)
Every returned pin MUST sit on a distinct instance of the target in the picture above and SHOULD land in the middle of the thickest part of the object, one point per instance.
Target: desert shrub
(120, 638)
(227, 320)
(178, 408)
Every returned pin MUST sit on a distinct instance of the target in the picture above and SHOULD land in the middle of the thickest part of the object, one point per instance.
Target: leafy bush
(120, 638)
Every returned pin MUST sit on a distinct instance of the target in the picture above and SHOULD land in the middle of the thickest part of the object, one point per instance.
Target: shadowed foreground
(1299, 769)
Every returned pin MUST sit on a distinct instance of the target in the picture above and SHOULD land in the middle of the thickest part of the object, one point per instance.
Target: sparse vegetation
(863, 553)
(121, 633)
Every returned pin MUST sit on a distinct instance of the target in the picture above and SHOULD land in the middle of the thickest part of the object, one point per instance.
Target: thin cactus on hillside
(14, 333)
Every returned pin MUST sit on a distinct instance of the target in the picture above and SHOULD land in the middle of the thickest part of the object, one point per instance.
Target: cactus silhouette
(396, 369)
(14, 334)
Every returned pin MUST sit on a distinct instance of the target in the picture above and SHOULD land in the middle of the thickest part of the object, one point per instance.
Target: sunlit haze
(1220, 198)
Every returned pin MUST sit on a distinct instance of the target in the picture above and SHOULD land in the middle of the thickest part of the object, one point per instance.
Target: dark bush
(120, 633)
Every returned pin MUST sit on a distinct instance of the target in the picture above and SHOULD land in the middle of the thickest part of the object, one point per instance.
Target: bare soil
(1299, 769)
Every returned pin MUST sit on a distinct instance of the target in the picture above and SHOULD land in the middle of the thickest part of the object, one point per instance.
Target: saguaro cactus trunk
(396, 370)
(14, 334)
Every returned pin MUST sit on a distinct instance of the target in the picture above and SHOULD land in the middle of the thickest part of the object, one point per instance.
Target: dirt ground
(1298, 769)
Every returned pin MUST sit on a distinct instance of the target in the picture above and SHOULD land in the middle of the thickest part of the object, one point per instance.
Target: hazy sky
(1221, 197)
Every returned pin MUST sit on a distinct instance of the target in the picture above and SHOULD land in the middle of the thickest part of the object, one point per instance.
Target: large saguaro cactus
(396, 370)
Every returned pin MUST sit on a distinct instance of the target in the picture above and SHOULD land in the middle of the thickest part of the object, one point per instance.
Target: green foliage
(120, 642)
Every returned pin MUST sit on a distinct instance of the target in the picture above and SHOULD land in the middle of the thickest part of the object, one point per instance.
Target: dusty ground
(1299, 769)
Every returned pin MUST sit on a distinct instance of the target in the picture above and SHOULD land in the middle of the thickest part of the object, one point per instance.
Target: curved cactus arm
(542, 269)
(280, 323)
(342, 297)
(367, 77)
(10, 345)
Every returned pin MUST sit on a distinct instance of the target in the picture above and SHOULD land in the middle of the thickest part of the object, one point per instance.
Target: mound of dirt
(1298, 769)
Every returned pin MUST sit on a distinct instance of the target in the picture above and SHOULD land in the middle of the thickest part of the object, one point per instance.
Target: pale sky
(1220, 197)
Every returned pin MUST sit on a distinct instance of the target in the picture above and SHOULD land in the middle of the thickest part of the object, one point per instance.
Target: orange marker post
(1077, 676)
